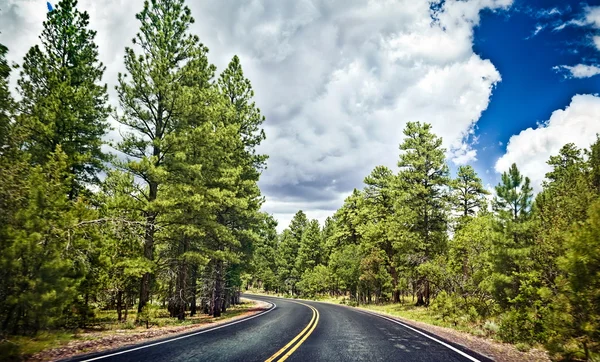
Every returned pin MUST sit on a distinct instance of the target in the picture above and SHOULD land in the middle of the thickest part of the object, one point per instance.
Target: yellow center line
(315, 319)
(302, 340)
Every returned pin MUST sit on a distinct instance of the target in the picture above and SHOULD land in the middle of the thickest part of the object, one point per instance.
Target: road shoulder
(96, 343)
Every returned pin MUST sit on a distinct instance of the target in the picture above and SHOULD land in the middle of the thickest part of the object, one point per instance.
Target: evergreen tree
(378, 213)
(512, 252)
(239, 93)
(63, 102)
(298, 225)
(424, 178)
(153, 99)
(468, 192)
(581, 264)
(310, 252)
(514, 194)
(39, 250)
(6, 102)
(264, 257)
(287, 252)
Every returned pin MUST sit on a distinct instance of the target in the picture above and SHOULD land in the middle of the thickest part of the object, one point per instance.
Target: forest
(170, 214)
(526, 267)
(169, 218)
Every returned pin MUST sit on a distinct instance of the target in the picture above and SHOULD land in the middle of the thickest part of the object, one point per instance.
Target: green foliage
(42, 259)
(468, 193)
(6, 101)
(310, 252)
(581, 264)
(63, 102)
(314, 281)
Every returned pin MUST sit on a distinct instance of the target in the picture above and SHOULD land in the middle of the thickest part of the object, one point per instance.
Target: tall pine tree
(153, 100)
(63, 102)
(423, 178)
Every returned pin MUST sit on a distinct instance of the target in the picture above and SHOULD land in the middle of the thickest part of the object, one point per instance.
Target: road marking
(426, 335)
(273, 306)
(313, 323)
(397, 322)
(302, 340)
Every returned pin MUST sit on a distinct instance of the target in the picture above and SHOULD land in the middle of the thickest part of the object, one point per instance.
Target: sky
(501, 81)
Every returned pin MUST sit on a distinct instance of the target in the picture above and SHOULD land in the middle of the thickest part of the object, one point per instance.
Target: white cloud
(591, 17)
(578, 71)
(530, 150)
(537, 30)
(596, 40)
(336, 79)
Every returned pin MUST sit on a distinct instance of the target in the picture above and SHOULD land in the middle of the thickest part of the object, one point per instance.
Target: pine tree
(377, 214)
(153, 97)
(514, 193)
(468, 192)
(63, 102)
(241, 216)
(40, 271)
(512, 252)
(298, 225)
(239, 93)
(6, 101)
(581, 265)
(310, 252)
(423, 178)
(287, 252)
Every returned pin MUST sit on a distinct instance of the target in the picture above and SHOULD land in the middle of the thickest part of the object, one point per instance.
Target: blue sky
(501, 81)
(530, 89)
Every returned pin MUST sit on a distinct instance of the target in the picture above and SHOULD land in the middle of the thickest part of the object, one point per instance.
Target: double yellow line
(293, 345)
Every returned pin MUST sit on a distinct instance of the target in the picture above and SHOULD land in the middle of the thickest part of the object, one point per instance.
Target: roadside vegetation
(106, 331)
(160, 227)
(430, 247)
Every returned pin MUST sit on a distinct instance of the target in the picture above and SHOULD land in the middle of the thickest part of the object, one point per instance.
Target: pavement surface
(298, 331)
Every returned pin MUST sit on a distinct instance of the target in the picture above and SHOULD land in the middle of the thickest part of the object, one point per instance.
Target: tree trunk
(218, 289)
(179, 301)
(396, 291)
(119, 304)
(193, 291)
(146, 281)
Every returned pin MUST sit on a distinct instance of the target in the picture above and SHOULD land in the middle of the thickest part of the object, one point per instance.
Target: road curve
(350, 334)
(297, 331)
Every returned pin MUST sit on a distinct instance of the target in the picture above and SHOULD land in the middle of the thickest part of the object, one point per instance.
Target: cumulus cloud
(336, 79)
(578, 123)
(578, 71)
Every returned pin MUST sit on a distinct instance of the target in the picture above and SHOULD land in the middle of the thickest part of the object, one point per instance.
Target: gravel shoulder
(104, 341)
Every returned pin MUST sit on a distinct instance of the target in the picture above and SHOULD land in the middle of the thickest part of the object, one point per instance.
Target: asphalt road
(298, 331)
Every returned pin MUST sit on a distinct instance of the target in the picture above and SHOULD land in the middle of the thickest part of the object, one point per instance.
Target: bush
(516, 326)
(445, 305)
(148, 315)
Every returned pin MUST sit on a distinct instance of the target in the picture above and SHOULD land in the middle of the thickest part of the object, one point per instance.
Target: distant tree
(310, 252)
(468, 193)
(514, 196)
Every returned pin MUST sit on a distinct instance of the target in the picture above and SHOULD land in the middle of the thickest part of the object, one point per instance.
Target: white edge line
(273, 306)
(426, 335)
